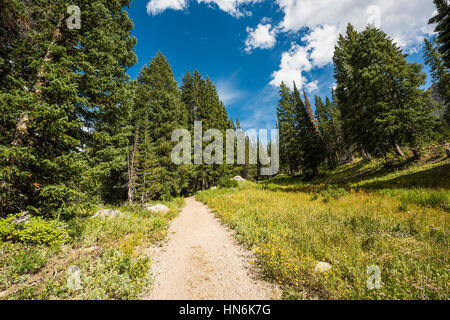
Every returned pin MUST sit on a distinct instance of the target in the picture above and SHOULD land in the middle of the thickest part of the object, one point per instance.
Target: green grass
(397, 221)
(109, 252)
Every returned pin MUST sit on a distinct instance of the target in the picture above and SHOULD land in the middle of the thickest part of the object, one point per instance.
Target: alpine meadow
(228, 150)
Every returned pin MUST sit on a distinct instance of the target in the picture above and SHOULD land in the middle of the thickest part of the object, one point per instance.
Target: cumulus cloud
(321, 42)
(312, 86)
(402, 19)
(233, 7)
(155, 7)
(263, 37)
(406, 21)
(293, 63)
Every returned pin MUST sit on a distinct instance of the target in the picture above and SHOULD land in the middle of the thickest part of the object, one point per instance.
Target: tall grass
(291, 226)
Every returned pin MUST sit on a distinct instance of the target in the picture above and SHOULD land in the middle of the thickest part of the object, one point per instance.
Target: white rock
(238, 178)
(214, 188)
(106, 213)
(158, 208)
(24, 218)
(323, 267)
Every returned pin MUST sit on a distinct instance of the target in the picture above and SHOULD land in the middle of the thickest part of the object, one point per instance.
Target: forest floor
(202, 261)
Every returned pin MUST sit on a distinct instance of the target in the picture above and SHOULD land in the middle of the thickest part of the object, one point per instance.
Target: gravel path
(202, 261)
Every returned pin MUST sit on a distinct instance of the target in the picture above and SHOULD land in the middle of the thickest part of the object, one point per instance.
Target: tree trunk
(315, 171)
(132, 169)
(366, 156)
(398, 150)
(417, 153)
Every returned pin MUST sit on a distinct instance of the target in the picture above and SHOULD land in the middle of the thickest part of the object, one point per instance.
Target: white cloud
(312, 86)
(321, 41)
(402, 19)
(233, 7)
(263, 37)
(406, 21)
(155, 7)
(293, 63)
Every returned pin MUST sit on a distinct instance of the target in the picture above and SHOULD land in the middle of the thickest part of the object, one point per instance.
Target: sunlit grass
(293, 226)
(108, 251)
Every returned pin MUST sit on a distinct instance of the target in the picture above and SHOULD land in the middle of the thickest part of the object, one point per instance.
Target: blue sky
(248, 46)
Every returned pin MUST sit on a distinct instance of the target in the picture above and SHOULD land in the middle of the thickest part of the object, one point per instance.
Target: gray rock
(107, 213)
(238, 178)
(447, 151)
(23, 218)
(323, 267)
(158, 208)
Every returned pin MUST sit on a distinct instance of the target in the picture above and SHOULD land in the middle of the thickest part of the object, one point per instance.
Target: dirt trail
(202, 261)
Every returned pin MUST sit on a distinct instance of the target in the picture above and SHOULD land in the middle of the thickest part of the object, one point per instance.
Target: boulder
(323, 267)
(23, 218)
(106, 213)
(158, 208)
(238, 178)
(447, 151)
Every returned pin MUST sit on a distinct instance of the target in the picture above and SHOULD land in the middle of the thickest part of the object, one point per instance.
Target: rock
(23, 218)
(214, 188)
(448, 152)
(158, 208)
(107, 213)
(238, 178)
(323, 267)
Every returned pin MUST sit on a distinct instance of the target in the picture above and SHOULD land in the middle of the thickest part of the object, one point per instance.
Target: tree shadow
(437, 177)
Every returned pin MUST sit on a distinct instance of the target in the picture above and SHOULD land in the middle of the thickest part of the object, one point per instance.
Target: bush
(35, 231)
(226, 182)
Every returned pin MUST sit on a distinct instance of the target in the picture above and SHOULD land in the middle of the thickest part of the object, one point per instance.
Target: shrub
(226, 182)
(35, 231)
(6, 228)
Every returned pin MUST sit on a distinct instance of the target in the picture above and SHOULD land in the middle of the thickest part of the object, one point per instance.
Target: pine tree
(62, 85)
(439, 72)
(381, 103)
(203, 104)
(313, 152)
(158, 112)
(289, 149)
(442, 21)
(326, 129)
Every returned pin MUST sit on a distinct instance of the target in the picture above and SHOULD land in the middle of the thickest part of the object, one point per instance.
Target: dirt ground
(202, 261)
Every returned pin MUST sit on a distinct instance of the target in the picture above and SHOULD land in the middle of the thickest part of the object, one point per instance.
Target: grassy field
(109, 253)
(358, 216)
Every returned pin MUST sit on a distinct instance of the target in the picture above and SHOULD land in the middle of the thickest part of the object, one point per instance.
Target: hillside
(353, 218)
